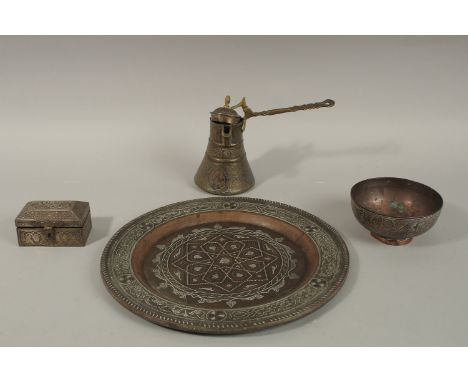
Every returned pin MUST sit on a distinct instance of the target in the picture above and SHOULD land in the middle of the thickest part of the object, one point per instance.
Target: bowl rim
(430, 189)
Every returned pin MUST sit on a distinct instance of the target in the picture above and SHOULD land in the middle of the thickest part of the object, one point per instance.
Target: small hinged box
(54, 223)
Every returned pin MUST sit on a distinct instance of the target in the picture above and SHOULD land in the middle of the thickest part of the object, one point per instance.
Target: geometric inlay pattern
(224, 264)
(199, 277)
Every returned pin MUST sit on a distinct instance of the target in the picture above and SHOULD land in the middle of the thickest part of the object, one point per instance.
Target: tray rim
(216, 329)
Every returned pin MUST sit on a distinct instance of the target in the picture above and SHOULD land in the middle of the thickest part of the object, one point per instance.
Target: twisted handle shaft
(249, 113)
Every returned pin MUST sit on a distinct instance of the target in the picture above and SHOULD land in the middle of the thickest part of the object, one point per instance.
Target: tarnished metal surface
(224, 169)
(54, 223)
(224, 265)
(395, 210)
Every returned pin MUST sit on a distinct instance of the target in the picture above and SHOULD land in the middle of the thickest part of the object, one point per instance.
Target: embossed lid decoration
(226, 113)
(67, 213)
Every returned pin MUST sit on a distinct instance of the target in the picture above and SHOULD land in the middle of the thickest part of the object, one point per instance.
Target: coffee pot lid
(226, 114)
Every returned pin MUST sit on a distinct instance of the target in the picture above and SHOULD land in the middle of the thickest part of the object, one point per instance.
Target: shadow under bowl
(395, 210)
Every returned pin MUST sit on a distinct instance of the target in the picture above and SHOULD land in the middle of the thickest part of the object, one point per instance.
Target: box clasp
(50, 233)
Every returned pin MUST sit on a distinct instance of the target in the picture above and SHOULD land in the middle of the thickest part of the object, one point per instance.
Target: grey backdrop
(122, 122)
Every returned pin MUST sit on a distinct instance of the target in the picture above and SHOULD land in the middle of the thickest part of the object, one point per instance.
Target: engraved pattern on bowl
(395, 210)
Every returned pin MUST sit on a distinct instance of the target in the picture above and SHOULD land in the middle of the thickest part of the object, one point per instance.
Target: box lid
(66, 213)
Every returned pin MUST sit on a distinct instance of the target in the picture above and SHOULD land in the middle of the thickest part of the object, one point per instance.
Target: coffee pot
(225, 169)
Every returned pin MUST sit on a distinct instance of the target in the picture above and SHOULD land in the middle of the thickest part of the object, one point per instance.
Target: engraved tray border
(118, 277)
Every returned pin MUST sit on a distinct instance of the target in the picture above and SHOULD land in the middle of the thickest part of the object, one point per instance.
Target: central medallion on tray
(217, 263)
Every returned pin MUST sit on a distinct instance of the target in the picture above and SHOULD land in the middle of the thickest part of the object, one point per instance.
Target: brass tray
(224, 265)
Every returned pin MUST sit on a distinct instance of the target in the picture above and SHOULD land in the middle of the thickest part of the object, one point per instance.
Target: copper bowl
(395, 210)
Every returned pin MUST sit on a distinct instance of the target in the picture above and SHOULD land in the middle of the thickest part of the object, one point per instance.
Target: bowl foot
(388, 241)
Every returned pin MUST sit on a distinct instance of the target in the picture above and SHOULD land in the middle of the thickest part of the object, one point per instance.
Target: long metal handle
(316, 105)
(249, 113)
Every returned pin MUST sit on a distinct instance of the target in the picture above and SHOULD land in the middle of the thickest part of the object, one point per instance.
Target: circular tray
(224, 265)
